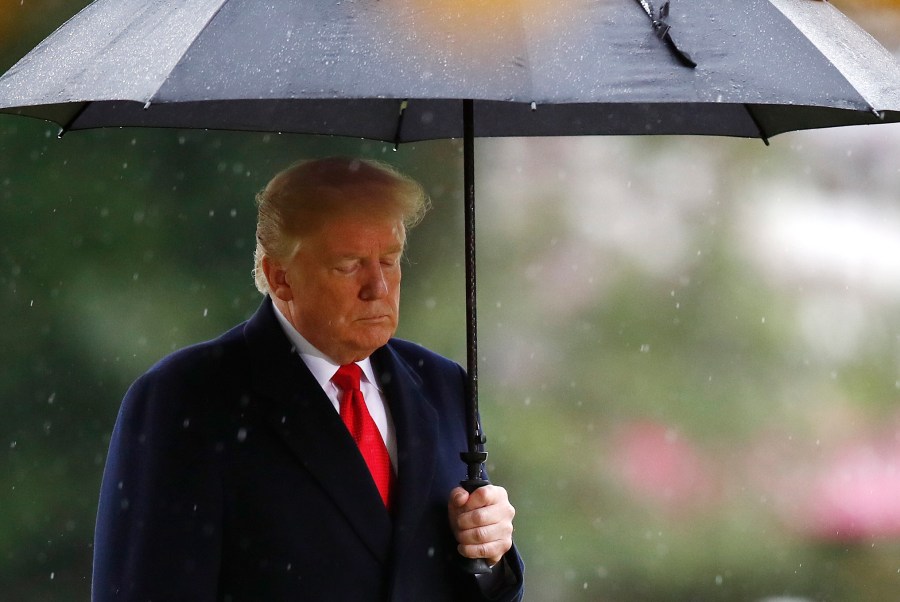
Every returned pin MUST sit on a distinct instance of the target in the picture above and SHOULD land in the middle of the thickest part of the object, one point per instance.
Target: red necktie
(362, 428)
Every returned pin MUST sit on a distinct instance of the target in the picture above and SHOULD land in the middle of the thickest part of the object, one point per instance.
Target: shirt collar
(321, 366)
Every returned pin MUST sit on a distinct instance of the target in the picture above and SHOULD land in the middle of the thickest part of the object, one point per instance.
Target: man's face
(342, 288)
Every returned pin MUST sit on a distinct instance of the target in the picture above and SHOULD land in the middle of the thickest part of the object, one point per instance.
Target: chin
(376, 340)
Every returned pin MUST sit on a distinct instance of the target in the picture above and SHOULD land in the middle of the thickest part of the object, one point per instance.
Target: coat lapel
(301, 414)
(415, 422)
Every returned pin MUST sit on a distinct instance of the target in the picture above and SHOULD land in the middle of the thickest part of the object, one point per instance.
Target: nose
(374, 285)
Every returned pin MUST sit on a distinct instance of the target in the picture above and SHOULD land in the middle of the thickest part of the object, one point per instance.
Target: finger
(485, 516)
(486, 496)
(492, 551)
(486, 534)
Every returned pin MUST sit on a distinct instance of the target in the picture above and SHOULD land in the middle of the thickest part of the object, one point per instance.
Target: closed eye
(346, 267)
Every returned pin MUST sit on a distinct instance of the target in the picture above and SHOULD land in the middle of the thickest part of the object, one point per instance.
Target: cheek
(395, 295)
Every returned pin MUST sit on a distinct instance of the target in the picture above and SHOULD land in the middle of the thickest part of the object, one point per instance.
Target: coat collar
(301, 414)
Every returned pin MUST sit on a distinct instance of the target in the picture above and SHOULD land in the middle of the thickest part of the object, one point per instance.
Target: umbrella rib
(403, 105)
(758, 124)
(212, 17)
(63, 128)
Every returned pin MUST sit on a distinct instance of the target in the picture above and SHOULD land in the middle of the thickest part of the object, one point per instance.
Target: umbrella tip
(147, 104)
(533, 106)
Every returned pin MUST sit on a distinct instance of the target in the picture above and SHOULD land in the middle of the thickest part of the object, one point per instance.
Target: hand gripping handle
(474, 460)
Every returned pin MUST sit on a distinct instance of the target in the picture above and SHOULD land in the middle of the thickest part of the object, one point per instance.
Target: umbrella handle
(474, 566)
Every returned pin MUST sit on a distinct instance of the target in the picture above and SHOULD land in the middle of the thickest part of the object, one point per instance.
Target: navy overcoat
(230, 477)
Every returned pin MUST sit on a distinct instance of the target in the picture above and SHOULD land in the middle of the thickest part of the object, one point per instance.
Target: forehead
(352, 233)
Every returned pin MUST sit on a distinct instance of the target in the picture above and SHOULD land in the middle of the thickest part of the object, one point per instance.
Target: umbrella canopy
(406, 70)
(395, 70)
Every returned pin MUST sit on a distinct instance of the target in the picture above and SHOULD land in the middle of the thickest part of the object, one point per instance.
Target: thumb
(459, 497)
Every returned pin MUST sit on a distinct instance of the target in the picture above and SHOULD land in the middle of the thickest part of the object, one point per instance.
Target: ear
(276, 276)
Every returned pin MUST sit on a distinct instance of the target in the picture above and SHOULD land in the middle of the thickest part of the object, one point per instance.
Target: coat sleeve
(158, 525)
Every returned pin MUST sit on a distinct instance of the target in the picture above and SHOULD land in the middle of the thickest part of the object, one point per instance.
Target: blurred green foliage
(119, 246)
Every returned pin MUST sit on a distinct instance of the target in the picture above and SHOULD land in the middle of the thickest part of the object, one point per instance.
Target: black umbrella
(751, 68)
(405, 70)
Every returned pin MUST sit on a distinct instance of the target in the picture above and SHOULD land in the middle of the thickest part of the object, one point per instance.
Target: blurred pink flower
(857, 494)
(657, 464)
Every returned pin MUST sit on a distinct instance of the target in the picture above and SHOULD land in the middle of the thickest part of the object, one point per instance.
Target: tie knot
(347, 377)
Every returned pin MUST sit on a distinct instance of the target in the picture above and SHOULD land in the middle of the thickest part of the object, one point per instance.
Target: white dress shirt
(323, 368)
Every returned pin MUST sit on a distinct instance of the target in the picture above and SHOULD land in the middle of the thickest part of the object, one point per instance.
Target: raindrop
(645, 348)
(205, 311)
(242, 435)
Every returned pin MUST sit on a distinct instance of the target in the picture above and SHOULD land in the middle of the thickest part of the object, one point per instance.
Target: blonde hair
(295, 199)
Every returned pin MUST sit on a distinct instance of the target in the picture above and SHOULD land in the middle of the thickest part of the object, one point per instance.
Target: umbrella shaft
(475, 437)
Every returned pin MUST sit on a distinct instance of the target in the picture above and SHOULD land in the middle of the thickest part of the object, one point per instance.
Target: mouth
(374, 319)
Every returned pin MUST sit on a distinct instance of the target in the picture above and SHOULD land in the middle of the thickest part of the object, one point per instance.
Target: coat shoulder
(196, 378)
(420, 358)
(201, 361)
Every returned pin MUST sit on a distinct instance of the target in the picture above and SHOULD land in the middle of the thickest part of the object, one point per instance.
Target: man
(305, 454)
